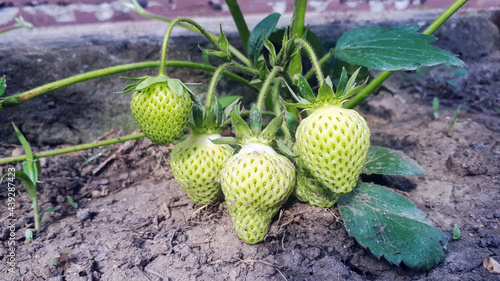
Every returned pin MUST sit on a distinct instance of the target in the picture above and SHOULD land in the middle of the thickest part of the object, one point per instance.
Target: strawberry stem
(167, 37)
(312, 56)
(213, 85)
(27, 95)
(265, 86)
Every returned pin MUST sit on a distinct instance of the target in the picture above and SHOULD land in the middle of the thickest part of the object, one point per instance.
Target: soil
(134, 222)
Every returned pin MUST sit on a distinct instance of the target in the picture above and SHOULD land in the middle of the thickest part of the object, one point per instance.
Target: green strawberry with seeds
(196, 162)
(257, 180)
(311, 191)
(161, 106)
(332, 142)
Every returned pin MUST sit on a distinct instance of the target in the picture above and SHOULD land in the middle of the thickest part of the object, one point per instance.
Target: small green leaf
(223, 43)
(218, 54)
(72, 202)
(272, 51)
(28, 183)
(176, 86)
(341, 87)
(93, 157)
(48, 211)
(3, 85)
(391, 226)
(28, 234)
(255, 120)
(261, 30)
(385, 161)
(456, 232)
(53, 262)
(305, 89)
(145, 83)
(435, 107)
(391, 49)
(272, 128)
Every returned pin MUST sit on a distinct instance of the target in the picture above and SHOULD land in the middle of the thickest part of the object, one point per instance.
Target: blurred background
(46, 13)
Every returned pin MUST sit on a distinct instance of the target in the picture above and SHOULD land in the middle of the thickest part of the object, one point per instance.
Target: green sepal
(224, 44)
(272, 128)
(292, 123)
(226, 140)
(284, 148)
(240, 126)
(343, 82)
(175, 86)
(218, 54)
(300, 100)
(272, 52)
(3, 85)
(191, 93)
(325, 92)
(255, 121)
(198, 114)
(148, 82)
(305, 89)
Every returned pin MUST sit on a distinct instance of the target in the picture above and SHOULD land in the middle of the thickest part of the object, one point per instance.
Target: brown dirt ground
(134, 222)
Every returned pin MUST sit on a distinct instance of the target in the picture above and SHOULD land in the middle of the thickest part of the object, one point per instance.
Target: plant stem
(213, 84)
(299, 12)
(232, 49)
(263, 90)
(375, 83)
(313, 58)
(72, 148)
(27, 95)
(322, 61)
(36, 215)
(167, 37)
(277, 108)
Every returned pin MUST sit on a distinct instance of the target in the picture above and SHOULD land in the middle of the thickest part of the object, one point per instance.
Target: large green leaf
(256, 40)
(239, 20)
(391, 48)
(385, 161)
(392, 226)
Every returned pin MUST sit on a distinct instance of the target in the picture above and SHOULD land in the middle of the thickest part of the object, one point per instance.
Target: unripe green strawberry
(256, 182)
(161, 112)
(196, 163)
(311, 191)
(332, 143)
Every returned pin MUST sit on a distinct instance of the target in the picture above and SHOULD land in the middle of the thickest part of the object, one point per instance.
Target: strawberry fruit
(257, 180)
(196, 162)
(161, 106)
(332, 142)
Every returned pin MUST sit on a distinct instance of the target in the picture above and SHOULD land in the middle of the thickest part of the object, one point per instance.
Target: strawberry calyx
(213, 120)
(141, 83)
(327, 97)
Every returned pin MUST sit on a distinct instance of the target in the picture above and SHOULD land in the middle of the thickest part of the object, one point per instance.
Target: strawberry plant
(316, 154)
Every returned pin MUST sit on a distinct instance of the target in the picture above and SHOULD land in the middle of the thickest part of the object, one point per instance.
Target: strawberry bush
(301, 138)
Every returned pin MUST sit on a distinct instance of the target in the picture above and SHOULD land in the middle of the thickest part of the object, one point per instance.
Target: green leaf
(239, 20)
(223, 43)
(435, 107)
(391, 49)
(28, 234)
(93, 157)
(391, 226)
(31, 166)
(28, 183)
(72, 202)
(49, 210)
(261, 30)
(225, 101)
(218, 54)
(3, 85)
(385, 161)
(272, 52)
(456, 232)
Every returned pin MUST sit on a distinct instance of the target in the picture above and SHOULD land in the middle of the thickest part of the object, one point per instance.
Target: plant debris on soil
(134, 222)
